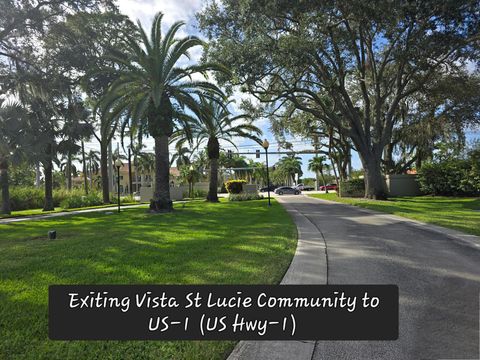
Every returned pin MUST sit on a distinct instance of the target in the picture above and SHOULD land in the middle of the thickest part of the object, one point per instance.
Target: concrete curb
(308, 266)
(463, 238)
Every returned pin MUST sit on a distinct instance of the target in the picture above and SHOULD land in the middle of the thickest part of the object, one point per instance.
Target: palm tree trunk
(48, 174)
(104, 173)
(84, 162)
(90, 172)
(69, 171)
(4, 184)
(213, 185)
(130, 180)
(161, 197)
(37, 175)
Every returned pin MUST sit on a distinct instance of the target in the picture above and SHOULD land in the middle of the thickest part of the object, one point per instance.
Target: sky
(184, 10)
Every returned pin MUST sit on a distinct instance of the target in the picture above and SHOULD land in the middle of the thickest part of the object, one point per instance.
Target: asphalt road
(438, 279)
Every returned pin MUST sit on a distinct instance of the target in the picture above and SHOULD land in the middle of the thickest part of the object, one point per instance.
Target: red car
(329, 187)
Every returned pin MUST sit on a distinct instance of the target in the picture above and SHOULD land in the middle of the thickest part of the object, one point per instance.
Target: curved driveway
(438, 278)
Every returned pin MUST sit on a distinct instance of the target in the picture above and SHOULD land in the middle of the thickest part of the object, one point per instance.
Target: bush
(24, 198)
(234, 186)
(450, 178)
(77, 201)
(352, 188)
(197, 193)
(244, 197)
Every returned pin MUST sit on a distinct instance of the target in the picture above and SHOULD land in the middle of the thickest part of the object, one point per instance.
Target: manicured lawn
(199, 243)
(457, 213)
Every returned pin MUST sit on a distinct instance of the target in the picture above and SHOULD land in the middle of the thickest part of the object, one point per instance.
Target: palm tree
(93, 160)
(182, 156)
(317, 165)
(154, 90)
(215, 123)
(289, 166)
(190, 175)
(10, 145)
(145, 164)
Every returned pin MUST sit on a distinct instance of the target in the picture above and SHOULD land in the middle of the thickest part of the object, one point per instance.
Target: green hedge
(78, 201)
(26, 198)
(234, 186)
(244, 197)
(450, 178)
(352, 188)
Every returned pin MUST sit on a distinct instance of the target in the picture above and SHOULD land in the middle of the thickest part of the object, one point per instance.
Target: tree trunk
(130, 180)
(90, 172)
(69, 171)
(374, 182)
(213, 185)
(48, 174)
(84, 163)
(104, 173)
(324, 182)
(37, 175)
(4, 184)
(161, 197)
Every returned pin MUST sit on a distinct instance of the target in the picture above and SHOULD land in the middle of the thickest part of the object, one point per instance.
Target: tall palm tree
(11, 142)
(289, 166)
(182, 155)
(145, 164)
(153, 89)
(215, 123)
(93, 160)
(317, 165)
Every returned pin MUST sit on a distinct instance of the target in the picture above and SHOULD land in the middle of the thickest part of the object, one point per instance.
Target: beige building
(140, 180)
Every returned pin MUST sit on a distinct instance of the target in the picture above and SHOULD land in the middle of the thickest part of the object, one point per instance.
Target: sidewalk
(65, 213)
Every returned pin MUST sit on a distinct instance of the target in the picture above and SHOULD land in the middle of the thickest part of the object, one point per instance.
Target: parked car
(303, 187)
(328, 187)
(265, 188)
(287, 190)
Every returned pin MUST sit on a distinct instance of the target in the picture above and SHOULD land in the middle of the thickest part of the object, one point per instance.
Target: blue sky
(184, 10)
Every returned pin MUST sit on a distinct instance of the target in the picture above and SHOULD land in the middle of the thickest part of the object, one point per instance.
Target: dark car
(328, 187)
(265, 188)
(287, 190)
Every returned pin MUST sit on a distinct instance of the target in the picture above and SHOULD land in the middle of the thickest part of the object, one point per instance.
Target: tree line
(389, 80)
(72, 70)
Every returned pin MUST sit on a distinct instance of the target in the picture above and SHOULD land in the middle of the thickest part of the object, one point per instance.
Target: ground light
(118, 164)
(265, 145)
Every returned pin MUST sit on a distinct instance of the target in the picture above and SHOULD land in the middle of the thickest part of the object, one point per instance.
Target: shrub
(450, 178)
(234, 186)
(244, 197)
(77, 201)
(24, 198)
(352, 188)
(197, 193)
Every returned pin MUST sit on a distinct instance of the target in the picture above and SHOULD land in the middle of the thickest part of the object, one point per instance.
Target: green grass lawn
(201, 243)
(454, 212)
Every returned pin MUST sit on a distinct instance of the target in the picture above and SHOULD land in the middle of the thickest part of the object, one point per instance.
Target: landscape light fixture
(265, 145)
(118, 164)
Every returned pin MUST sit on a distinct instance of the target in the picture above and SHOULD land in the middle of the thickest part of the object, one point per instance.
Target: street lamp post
(265, 145)
(118, 164)
(190, 181)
